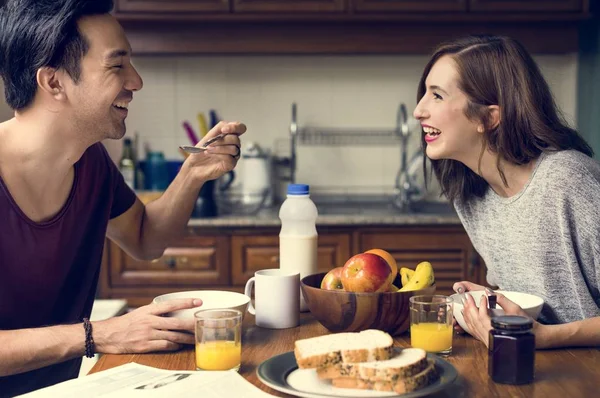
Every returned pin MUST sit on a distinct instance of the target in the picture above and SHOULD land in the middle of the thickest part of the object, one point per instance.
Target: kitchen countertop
(341, 215)
(341, 210)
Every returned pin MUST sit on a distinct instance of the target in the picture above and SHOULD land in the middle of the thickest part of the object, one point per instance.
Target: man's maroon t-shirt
(49, 270)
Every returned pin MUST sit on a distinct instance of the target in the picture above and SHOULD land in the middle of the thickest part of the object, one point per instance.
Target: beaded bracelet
(89, 340)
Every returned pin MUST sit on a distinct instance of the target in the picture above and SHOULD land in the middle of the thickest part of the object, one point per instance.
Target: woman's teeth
(431, 131)
(122, 105)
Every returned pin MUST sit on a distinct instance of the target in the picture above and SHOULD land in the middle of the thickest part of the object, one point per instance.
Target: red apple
(365, 273)
(333, 280)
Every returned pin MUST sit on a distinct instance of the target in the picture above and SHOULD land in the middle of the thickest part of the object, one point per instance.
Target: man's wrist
(100, 337)
(192, 176)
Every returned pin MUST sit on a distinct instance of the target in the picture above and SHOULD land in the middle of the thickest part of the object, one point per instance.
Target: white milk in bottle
(298, 236)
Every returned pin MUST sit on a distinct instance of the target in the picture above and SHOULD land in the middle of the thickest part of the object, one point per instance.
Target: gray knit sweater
(545, 240)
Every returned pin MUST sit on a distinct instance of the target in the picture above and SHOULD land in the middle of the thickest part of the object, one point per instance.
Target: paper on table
(135, 380)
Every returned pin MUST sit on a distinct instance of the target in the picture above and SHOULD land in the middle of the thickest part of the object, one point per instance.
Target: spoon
(193, 149)
(198, 149)
(491, 297)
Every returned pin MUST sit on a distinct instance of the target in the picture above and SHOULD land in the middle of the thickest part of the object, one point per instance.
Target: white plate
(281, 373)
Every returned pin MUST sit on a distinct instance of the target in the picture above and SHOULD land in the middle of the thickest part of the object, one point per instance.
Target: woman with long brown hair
(523, 183)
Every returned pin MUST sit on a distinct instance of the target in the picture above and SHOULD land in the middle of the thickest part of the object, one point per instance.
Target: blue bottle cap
(297, 189)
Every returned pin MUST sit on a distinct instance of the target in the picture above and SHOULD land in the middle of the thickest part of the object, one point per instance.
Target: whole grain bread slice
(408, 362)
(331, 349)
(395, 384)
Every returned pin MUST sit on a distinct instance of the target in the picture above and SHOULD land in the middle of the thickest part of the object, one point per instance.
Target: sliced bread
(331, 349)
(408, 362)
(395, 384)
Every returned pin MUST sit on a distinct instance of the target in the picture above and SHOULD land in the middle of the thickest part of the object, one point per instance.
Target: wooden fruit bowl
(341, 311)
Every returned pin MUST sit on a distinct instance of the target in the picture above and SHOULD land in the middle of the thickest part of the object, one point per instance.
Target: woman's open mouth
(431, 133)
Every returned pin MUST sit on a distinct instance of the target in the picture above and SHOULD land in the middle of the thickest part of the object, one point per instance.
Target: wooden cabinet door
(250, 253)
(526, 5)
(289, 6)
(193, 262)
(409, 5)
(448, 249)
(172, 6)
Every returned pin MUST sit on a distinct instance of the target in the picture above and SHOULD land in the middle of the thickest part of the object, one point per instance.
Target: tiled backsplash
(331, 91)
(5, 111)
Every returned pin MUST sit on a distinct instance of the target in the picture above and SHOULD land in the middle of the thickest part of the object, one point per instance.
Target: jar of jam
(511, 352)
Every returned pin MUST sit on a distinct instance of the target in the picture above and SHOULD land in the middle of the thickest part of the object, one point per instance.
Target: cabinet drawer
(252, 253)
(172, 6)
(176, 258)
(289, 6)
(525, 6)
(193, 261)
(407, 6)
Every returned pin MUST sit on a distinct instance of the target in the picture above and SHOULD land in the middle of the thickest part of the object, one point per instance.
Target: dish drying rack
(339, 137)
(310, 135)
(405, 186)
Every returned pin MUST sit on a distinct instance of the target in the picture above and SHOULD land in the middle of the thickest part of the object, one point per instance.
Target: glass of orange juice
(218, 339)
(431, 323)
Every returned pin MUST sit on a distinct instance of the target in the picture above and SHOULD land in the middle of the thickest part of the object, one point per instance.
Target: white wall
(331, 91)
(5, 112)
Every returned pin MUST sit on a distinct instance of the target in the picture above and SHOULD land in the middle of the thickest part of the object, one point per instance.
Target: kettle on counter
(256, 184)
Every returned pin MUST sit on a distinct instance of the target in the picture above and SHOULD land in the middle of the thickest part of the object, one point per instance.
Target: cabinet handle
(275, 259)
(170, 262)
(473, 263)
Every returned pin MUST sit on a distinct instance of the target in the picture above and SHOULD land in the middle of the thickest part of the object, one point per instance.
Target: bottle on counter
(127, 163)
(511, 352)
(298, 236)
(157, 173)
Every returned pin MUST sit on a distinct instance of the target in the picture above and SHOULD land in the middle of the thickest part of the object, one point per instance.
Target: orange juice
(218, 355)
(431, 336)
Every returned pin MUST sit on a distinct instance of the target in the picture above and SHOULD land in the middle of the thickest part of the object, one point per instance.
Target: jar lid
(512, 322)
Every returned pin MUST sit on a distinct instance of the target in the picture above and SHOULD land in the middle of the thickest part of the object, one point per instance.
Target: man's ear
(49, 81)
(493, 117)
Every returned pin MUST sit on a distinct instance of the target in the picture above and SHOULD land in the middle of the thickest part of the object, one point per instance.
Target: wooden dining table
(572, 372)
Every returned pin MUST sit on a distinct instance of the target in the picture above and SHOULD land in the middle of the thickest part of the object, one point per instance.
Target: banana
(406, 274)
(422, 278)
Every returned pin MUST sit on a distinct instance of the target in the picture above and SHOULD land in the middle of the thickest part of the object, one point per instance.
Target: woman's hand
(480, 322)
(462, 287)
(145, 330)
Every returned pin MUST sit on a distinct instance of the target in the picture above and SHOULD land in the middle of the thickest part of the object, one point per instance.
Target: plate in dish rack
(281, 373)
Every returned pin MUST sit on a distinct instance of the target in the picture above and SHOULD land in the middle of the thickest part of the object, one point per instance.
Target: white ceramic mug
(276, 298)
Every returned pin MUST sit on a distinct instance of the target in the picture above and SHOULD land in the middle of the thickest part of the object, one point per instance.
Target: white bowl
(531, 304)
(211, 299)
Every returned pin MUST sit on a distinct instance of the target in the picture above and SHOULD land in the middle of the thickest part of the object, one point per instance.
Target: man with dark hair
(68, 76)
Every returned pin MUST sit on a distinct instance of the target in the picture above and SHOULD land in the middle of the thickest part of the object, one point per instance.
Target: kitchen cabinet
(196, 260)
(288, 6)
(448, 249)
(171, 6)
(225, 258)
(160, 27)
(251, 253)
(409, 5)
(527, 6)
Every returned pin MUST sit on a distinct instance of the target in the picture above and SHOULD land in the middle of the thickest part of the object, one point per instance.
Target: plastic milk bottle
(298, 236)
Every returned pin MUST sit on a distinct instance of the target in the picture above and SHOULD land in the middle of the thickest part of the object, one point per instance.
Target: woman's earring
(479, 129)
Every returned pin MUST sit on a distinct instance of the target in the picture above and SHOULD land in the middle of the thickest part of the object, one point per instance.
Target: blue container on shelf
(156, 172)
